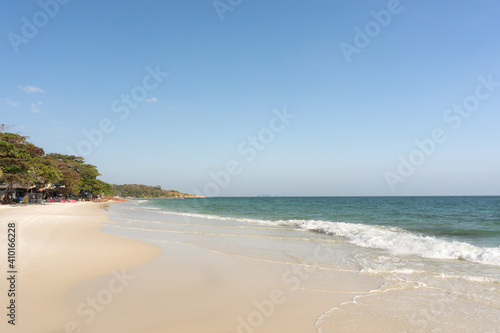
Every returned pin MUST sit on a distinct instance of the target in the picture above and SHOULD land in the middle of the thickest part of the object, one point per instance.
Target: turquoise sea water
(442, 248)
(475, 220)
(457, 229)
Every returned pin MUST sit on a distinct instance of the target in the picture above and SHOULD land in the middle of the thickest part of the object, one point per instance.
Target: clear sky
(262, 97)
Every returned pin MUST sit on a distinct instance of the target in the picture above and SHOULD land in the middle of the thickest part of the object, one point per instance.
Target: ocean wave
(137, 202)
(146, 208)
(402, 242)
(216, 217)
(396, 240)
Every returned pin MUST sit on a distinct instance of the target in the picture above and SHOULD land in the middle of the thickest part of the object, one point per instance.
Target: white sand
(59, 246)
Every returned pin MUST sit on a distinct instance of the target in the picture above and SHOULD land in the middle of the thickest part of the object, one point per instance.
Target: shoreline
(196, 287)
(191, 289)
(73, 278)
(80, 271)
(343, 287)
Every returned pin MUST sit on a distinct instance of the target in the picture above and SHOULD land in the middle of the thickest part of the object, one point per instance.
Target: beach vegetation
(144, 191)
(24, 164)
(77, 177)
(21, 162)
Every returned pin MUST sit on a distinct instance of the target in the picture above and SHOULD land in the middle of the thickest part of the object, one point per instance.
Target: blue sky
(261, 97)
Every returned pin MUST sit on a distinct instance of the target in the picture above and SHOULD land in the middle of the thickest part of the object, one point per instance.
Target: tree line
(144, 191)
(23, 163)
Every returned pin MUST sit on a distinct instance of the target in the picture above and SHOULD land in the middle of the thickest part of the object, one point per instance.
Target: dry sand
(59, 246)
(73, 278)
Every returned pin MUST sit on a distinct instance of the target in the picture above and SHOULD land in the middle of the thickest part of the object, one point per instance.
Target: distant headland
(145, 191)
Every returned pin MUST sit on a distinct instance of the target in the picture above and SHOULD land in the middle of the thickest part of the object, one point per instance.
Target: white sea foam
(138, 202)
(470, 278)
(146, 208)
(216, 217)
(396, 240)
(401, 242)
(403, 271)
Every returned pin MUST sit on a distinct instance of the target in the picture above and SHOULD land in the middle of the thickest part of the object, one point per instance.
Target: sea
(438, 257)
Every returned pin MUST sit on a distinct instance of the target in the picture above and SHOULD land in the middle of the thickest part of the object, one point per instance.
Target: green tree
(106, 188)
(24, 163)
(88, 176)
(69, 166)
(79, 177)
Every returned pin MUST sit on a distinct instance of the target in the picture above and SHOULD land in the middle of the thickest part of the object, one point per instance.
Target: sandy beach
(74, 278)
(58, 247)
